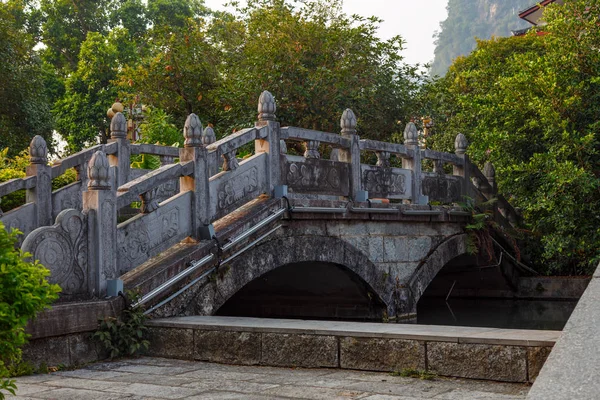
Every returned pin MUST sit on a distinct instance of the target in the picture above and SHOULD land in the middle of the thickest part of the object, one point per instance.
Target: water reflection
(495, 313)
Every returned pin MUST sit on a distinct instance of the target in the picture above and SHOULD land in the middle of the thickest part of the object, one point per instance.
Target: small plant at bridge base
(124, 336)
(415, 373)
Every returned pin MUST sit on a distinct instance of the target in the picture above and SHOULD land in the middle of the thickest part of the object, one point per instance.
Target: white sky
(414, 20)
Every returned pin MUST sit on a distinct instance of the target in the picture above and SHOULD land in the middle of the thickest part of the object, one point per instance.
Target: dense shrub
(24, 291)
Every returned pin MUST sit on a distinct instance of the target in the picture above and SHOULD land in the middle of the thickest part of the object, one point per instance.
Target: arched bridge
(273, 233)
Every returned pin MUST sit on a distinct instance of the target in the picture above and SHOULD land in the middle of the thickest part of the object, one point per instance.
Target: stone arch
(281, 251)
(427, 270)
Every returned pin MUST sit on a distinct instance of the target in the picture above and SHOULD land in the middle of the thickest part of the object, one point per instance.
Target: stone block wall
(491, 358)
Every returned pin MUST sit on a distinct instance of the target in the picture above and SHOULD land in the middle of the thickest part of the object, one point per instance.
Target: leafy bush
(124, 336)
(13, 168)
(24, 291)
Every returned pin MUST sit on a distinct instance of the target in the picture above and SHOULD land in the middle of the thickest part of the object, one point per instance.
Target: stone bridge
(360, 229)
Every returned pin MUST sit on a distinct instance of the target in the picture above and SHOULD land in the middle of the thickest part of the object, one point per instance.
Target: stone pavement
(158, 378)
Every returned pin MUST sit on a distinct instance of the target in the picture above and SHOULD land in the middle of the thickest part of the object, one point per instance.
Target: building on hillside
(533, 15)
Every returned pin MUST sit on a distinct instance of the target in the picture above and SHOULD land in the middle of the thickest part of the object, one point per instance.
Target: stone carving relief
(383, 182)
(149, 201)
(238, 187)
(442, 188)
(63, 249)
(133, 243)
(317, 176)
(170, 224)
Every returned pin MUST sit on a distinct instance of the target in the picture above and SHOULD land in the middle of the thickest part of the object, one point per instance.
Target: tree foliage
(24, 105)
(530, 105)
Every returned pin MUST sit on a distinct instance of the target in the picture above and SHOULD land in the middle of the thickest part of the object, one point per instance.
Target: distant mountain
(468, 19)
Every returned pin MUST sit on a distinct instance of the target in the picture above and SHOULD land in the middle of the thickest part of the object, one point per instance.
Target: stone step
(466, 352)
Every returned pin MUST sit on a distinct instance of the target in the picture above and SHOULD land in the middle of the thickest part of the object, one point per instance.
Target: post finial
(266, 107)
(460, 144)
(209, 137)
(489, 171)
(98, 172)
(411, 134)
(348, 122)
(192, 131)
(38, 150)
(118, 126)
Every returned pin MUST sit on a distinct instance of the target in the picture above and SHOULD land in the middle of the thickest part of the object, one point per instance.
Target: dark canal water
(495, 313)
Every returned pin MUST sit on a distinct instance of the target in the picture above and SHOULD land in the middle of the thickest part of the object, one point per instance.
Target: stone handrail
(392, 148)
(183, 198)
(305, 135)
(144, 185)
(155, 150)
(13, 185)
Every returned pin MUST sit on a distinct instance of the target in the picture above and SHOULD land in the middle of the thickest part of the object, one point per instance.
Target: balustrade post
(460, 146)
(122, 159)
(100, 206)
(208, 138)
(269, 143)
(41, 194)
(411, 142)
(490, 173)
(197, 183)
(351, 155)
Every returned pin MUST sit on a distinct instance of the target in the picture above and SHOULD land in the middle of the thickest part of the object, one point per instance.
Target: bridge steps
(166, 265)
(466, 352)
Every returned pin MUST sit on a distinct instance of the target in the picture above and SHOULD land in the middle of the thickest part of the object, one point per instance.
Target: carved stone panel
(67, 197)
(443, 188)
(392, 183)
(146, 235)
(63, 249)
(232, 189)
(22, 218)
(316, 176)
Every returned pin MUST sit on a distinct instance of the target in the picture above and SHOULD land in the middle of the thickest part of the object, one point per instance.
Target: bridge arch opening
(311, 290)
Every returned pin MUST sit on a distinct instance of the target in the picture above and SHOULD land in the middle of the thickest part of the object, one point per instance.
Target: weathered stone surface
(312, 351)
(478, 361)
(315, 176)
(171, 343)
(573, 367)
(49, 351)
(227, 347)
(83, 349)
(376, 354)
(536, 357)
(62, 248)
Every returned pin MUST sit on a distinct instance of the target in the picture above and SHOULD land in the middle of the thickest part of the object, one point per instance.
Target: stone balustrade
(85, 247)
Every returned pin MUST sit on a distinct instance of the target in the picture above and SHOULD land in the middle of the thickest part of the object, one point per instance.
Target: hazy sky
(414, 20)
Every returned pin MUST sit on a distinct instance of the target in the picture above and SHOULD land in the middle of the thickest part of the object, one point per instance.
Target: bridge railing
(204, 181)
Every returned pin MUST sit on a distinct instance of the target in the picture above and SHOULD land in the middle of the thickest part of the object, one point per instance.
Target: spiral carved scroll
(62, 248)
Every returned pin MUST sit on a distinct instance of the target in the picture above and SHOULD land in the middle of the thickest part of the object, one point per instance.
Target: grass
(414, 373)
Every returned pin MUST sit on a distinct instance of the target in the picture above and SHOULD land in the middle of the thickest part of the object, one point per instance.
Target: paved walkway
(157, 378)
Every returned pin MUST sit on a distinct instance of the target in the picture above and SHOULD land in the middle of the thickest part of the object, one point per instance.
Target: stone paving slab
(457, 334)
(150, 378)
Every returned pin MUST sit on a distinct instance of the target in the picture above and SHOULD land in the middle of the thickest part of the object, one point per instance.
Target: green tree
(24, 105)
(66, 24)
(530, 105)
(81, 112)
(316, 60)
(24, 292)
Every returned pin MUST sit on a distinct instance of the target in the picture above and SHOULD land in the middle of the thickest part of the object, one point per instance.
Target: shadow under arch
(428, 269)
(295, 250)
(314, 290)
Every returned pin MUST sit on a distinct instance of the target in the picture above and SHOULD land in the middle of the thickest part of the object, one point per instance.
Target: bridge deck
(467, 352)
